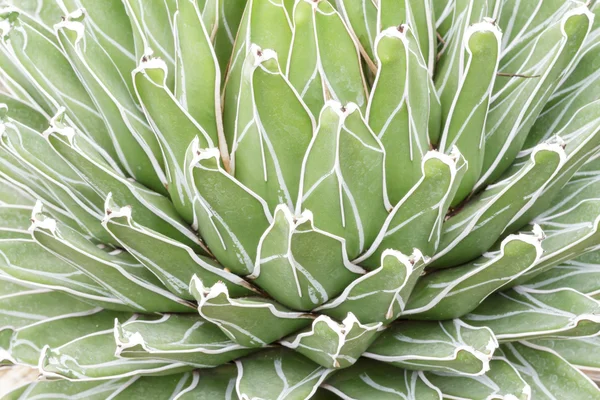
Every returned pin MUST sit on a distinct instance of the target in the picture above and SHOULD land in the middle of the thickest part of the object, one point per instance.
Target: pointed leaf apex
(73, 22)
(40, 221)
(487, 25)
(112, 210)
(261, 55)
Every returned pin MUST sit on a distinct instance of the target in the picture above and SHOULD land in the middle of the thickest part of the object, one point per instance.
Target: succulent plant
(279, 199)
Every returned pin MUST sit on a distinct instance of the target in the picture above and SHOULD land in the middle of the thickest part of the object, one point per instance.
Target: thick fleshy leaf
(343, 178)
(272, 131)
(448, 346)
(304, 68)
(136, 146)
(398, 110)
(145, 16)
(278, 374)
(28, 342)
(475, 228)
(361, 19)
(230, 217)
(343, 78)
(380, 295)
(251, 321)
(453, 57)
(575, 92)
(502, 381)
(70, 198)
(522, 313)
(206, 384)
(570, 226)
(229, 18)
(186, 339)
(23, 112)
(416, 220)
(198, 79)
(117, 271)
(548, 374)
(300, 265)
(334, 345)
(454, 292)
(22, 306)
(149, 208)
(24, 261)
(465, 120)
(92, 357)
(265, 23)
(547, 57)
(581, 274)
(171, 261)
(173, 126)
(369, 379)
(57, 80)
(581, 352)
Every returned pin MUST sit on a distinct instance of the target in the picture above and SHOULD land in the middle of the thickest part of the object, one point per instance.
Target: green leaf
(343, 179)
(580, 352)
(581, 141)
(369, 379)
(546, 57)
(571, 226)
(149, 208)
(416, 220)
(502, 381)
(342, 76)
(28, 342)
(380, 295)
(574, 93)
(304, 68)
(548, 374)
(523, 313)
(186, 339)
(398, 112)
(198, 77)
(448, 346)
(466, 116)
(250, 321)
(116, 271)
(581, 274)
(156, 251)
(92, 357)
(136, 146)
(57, 80)
(361, 19)
(23, 306)
(24, 261)
(173, 126)
(452, 56)
(230, 15)
(334, 345)
(231, 218)
(273, 130)
(475, 228)
(454, 292)
(71, 199)
(278, 374)
(145, 16)
(207, 384)
(300, 265)
(12, 195)
(25, 113)
(265, 24)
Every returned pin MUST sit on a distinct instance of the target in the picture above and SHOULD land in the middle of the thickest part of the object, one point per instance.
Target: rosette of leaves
(279, 199)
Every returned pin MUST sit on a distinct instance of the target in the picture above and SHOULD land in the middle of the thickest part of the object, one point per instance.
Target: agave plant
(278, 199)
